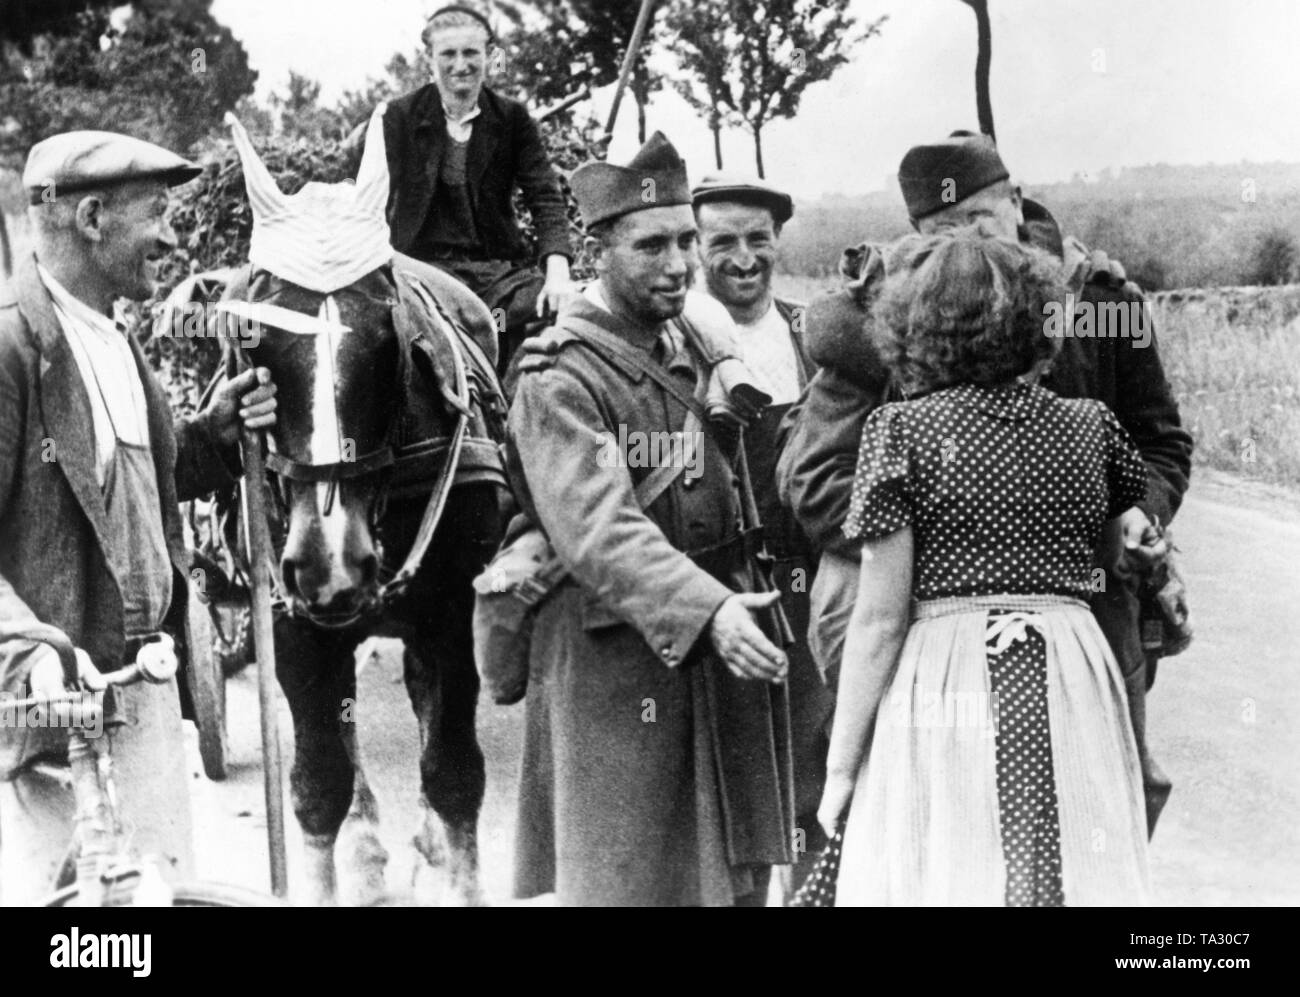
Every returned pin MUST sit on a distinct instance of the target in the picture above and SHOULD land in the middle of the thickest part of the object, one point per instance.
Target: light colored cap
(87, 160)
(328, 235)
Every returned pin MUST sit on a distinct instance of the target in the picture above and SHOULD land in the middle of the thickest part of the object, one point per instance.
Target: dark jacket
(53, 535)
(505, 151)
(821, 436)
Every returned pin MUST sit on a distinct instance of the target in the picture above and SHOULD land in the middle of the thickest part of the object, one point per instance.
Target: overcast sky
(1078, 85)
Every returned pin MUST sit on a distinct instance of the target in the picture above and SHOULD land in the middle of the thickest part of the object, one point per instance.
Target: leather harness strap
(384, 457)
(438, 497)
(286, 467)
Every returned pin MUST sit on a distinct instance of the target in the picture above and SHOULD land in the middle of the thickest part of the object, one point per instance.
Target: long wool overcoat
(650, 774)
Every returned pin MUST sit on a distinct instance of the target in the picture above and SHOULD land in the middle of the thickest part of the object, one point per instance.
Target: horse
(389, 497)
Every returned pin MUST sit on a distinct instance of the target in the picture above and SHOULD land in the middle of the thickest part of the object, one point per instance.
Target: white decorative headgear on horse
(326, 236)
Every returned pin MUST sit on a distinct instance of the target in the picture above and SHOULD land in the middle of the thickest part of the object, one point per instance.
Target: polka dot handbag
(818, 889)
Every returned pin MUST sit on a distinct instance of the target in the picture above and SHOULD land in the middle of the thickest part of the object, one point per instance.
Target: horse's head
(321, 298)
(334, 360)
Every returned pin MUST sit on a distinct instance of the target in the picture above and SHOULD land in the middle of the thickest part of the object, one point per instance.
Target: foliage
(168, 75)
(700, 36)
(21, 21)
(1275, 258)
(558, 47)
(754, 59)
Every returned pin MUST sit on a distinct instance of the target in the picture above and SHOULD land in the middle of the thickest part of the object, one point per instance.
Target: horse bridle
(375, 461)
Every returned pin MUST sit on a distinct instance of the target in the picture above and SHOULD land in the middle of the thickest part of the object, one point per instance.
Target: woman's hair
(965, 307)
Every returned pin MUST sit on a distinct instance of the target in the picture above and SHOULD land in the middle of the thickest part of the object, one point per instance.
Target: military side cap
(743, 190)
(88, 160)
(655, 178)
(949, 171)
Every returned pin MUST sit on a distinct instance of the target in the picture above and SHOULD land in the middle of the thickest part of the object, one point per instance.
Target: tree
(1275, 259)
(565, 45)
(168, 75)
(300, 112)
(774, 50)
(700, 40)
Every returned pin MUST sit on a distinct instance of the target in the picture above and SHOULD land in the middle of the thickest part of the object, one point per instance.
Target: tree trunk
(758, 151)
(715, 125)
(640, 119)
(983, 59)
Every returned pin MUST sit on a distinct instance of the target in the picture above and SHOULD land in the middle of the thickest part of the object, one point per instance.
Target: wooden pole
(629, 60)
(260, 552)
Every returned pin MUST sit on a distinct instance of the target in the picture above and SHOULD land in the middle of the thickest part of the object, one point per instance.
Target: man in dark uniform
(91, 469)
(656, 747)
(456, 152)
(740, 221)
(957, 182)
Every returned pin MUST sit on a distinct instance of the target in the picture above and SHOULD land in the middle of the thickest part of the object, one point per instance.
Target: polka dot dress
(818, 890)
(1006, 490)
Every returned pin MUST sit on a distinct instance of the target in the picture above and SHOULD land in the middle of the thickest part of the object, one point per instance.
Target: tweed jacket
(54, 543)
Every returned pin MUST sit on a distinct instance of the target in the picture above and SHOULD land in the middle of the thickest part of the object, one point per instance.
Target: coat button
(667, 652)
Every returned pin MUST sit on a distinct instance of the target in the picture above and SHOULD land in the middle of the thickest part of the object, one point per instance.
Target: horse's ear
(372, 175)
(264, 194)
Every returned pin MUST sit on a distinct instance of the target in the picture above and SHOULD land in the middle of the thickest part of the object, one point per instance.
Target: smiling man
(456, 152)
(91, 470)
(656, 734)
(740, 221)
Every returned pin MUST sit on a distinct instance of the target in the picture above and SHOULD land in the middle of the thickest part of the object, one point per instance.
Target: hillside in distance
(1172, 226)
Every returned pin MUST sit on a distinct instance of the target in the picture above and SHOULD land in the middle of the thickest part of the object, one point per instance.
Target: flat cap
(655, 178)
(949, 171)
(85, 160)
(744, 190)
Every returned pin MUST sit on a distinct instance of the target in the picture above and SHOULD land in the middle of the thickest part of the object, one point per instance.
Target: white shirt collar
(460, 128)
(473, 113)
(76, 309)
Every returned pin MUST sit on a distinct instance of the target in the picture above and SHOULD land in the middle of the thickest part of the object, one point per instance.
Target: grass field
(1232, 356)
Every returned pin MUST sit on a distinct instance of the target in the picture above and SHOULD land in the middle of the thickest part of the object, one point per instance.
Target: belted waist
(930, 609)
(1017, 614)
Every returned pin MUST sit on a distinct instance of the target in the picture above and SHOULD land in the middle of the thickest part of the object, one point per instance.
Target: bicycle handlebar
(150, 666)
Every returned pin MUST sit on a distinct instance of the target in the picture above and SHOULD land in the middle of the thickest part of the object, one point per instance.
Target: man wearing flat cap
(956, 183)
(740, 221)
(656, 758)
(91, 470)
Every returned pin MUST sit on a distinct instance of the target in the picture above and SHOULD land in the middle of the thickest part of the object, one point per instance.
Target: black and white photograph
(651, 453)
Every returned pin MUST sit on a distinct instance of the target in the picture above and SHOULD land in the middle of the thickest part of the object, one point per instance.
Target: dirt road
(1224, 721)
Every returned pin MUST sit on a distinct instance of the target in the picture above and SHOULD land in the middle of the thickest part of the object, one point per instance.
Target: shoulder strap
(594, 336)
(654, 484)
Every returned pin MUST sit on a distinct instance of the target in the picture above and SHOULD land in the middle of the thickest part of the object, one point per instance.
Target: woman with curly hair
(1002, 765)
